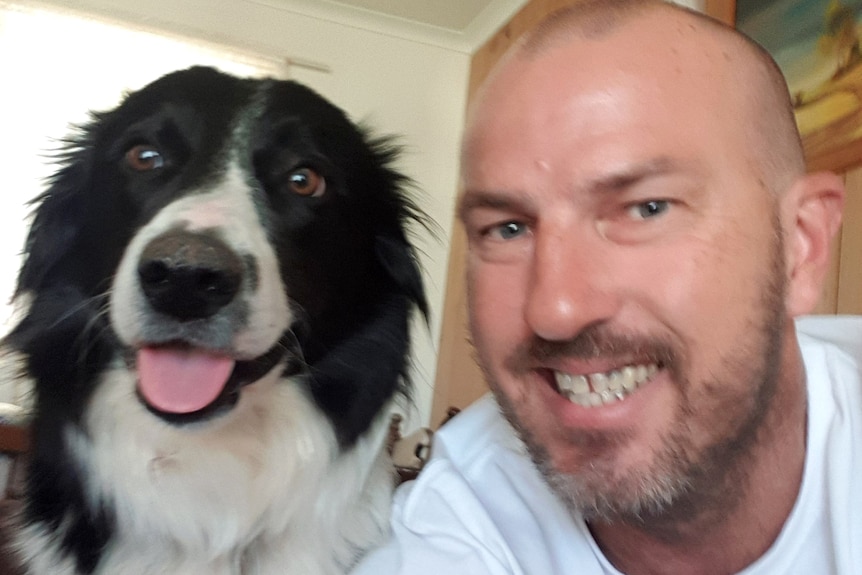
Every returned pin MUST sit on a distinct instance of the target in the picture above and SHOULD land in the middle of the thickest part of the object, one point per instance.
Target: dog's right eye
(143, 158)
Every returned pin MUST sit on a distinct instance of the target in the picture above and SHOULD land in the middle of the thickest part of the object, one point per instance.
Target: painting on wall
(817, 45)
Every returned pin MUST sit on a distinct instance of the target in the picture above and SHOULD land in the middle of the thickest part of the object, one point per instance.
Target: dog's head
(209, 229)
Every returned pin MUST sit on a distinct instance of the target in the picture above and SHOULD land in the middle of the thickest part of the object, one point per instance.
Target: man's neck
(724, 538)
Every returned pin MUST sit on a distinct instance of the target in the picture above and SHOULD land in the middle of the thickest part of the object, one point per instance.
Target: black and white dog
(219, 289)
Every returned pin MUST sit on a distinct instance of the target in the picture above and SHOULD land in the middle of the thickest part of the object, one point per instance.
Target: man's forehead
(660, 43)
(619, 72)
(643, 23)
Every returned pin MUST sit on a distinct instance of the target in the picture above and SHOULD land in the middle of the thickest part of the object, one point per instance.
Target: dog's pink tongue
(181, 381)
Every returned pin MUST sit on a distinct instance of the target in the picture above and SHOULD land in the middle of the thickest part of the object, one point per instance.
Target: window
(56, 66)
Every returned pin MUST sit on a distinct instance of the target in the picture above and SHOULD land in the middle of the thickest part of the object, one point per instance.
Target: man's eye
(508, 230)
(650, 209)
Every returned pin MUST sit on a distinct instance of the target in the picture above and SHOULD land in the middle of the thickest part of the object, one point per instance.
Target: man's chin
(606, 476)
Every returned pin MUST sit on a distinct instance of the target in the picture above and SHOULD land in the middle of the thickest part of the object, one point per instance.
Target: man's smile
(600, 388)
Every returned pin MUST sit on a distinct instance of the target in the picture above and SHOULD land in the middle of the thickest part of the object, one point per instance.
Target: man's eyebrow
(614, 181)
(624, 178)
(492, 200)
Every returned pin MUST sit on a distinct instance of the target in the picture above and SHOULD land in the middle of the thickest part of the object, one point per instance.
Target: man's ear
(811, 212)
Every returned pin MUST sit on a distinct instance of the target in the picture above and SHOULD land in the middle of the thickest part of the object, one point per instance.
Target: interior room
(404, 68)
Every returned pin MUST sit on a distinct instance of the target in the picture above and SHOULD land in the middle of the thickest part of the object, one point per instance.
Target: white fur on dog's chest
(263, 491)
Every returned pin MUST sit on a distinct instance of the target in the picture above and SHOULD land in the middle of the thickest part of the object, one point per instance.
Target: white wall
(53, 73)
(696, 4)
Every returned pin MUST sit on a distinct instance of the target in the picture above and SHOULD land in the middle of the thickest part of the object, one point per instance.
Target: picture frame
(817, 46)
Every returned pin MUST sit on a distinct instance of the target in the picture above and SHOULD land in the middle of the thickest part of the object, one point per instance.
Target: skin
(622, 212)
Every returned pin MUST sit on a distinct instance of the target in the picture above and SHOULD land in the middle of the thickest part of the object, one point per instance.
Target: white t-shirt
(480, 507)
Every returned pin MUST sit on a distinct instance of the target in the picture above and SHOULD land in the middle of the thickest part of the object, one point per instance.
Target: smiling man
(642, 237)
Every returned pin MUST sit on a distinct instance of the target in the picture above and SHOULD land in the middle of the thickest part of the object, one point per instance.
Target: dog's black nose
(189, 275)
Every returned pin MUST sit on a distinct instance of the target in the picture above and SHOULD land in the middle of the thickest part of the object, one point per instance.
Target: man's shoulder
(473, 436)
(831, 348)
(470, 456)
(446, 516)
(480, 506)
(841, 331)
(477, 431)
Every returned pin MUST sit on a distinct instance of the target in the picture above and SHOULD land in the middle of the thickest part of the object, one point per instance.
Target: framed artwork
(817, 45)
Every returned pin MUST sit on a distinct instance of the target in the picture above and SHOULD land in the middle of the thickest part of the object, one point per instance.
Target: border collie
(219, 288)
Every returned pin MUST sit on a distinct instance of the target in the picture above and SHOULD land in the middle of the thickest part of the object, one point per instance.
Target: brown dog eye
(306, 182)
(144, 158)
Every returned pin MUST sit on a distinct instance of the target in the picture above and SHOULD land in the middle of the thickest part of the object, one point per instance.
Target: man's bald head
(752, 81)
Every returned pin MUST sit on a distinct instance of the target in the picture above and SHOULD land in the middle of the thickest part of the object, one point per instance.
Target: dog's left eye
(144, 158)
(306, 182)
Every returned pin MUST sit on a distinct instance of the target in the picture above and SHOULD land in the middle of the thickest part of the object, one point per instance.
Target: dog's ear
(395, 253)
(55, 226)
(53, 283)
(398, 258)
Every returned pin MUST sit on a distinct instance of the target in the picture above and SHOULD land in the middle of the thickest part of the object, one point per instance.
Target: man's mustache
(594, 342)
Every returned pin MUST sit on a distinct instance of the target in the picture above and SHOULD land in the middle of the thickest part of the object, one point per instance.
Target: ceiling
(455, 15)
(459, 25)
(462, 25)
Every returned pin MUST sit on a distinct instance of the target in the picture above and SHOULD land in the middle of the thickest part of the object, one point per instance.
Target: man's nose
(572, 284)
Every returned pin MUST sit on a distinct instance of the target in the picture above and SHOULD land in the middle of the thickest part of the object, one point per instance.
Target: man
(642, 235)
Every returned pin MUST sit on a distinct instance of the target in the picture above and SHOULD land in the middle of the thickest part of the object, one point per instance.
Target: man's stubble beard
(682, 482)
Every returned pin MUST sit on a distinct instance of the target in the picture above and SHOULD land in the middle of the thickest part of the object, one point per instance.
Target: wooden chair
(14, 444)
(410, 453)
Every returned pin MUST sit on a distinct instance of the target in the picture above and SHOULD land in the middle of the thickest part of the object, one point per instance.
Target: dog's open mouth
(183, 384)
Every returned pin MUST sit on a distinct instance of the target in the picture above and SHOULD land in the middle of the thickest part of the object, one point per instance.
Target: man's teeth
(597, 389)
